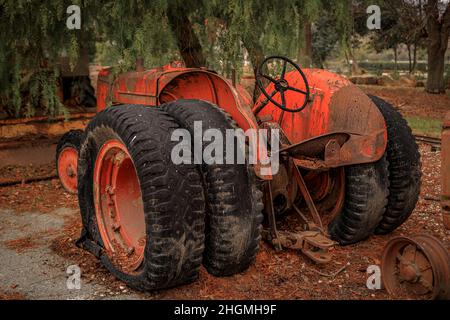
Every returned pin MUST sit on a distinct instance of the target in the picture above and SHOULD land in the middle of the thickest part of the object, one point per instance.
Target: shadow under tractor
(348, 167)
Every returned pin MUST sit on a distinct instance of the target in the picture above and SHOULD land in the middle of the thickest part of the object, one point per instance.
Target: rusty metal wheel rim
(67, 169)
(329, 195)
(416, 268)
(119, 206)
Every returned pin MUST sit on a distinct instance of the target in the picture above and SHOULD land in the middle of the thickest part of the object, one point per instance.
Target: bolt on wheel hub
(119, 206)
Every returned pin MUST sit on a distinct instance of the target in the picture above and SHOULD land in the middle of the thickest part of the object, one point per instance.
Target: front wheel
(404, 169)
(366, 194)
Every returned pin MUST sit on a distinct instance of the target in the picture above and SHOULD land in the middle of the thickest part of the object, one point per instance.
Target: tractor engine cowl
(338, 107)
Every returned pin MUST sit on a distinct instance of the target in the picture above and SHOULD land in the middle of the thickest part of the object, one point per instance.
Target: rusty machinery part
(284, 190)
(142, 215)
(416, 267)
(67, 158)
(327, 187)
(234, 211)
(312, 244)
(282, 85)
(366, 196)
(402, 154)
(446, 172)
(327, 190)
(325, 148)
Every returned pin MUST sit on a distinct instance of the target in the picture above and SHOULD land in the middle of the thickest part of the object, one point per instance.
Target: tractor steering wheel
(282, 85)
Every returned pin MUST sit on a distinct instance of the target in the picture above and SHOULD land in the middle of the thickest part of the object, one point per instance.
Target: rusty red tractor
(349, 167)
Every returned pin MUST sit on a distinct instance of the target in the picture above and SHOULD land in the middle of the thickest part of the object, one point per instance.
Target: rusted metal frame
(307, 196)
(301, 215)
(274, 238)
(263, 103)
(311, 243)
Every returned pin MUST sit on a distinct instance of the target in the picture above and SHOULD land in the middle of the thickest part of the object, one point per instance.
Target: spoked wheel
(67, 158)
(416, 268)
(118, 206)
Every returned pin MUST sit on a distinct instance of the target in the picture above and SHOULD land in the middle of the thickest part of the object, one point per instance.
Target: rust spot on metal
(416, 267)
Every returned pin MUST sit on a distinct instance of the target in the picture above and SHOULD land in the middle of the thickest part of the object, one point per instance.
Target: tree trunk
(187, 41)
(436, 67)
(256, 56)
(355, 69)
(438, 30)
(396, 59)
(305, 51)
(414, 66)
(409, 58)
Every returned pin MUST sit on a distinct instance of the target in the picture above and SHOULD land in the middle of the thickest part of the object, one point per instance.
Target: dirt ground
(39, 223)
(413, 101)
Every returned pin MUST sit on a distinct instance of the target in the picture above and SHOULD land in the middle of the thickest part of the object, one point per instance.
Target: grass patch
(425, 126)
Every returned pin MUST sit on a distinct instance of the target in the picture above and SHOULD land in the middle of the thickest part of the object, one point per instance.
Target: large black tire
(404, 169)
(174, 204)
(234, 201)
(71, 139)
(365, 201)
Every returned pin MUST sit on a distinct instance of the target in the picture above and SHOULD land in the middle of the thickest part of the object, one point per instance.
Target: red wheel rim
(119, 207)
(67, 169)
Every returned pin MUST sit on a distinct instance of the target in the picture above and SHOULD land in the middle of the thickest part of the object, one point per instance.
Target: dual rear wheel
(152, 221)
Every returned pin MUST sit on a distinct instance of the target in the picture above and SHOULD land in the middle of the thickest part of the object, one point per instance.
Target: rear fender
(169, 83)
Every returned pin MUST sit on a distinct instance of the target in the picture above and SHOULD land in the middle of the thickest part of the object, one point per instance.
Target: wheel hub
(67, 169)
(282, 84)
(409, 273)
(119, 206)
